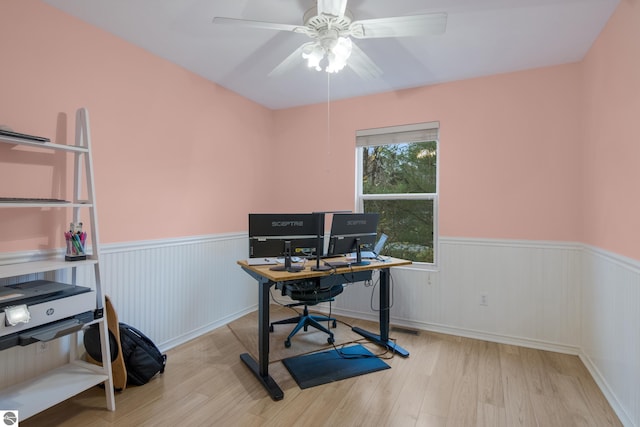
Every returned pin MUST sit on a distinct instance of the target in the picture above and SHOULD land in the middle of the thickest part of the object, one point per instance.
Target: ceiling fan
(330, 25)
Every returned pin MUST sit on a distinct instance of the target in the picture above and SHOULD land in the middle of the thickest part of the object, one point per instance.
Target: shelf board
(50, 388)
(44, 205)
(47, 145)
(31, 267)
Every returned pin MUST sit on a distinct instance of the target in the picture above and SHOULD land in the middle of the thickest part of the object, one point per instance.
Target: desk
(267, 278)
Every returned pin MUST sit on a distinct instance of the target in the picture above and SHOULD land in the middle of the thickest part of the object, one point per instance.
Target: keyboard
(270, 260)
(31, 200)
(261, 261)
(363, 255)
(4, 132)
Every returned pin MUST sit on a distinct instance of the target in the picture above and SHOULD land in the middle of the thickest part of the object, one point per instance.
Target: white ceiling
(482, 37)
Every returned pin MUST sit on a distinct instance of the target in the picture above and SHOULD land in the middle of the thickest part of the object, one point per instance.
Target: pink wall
(545, 154)
(522, 154)
(174, 155)
(611, 145)
(508, 160)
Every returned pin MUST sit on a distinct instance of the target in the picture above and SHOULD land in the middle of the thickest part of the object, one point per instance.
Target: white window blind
(418, 132)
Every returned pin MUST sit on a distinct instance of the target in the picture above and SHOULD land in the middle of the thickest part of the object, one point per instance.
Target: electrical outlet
(484, 299)
(42, 346)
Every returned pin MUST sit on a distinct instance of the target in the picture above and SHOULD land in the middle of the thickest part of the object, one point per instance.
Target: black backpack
(142, 358)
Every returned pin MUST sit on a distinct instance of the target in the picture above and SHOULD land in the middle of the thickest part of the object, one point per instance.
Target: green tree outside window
(399, 181)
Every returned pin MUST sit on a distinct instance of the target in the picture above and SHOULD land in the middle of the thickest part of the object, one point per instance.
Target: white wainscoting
(550, 295)
(610, 341)
(532, 292)
(176, 290)
(172, 290)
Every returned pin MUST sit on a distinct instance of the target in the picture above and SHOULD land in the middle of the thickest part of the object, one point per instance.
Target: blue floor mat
(320, 368)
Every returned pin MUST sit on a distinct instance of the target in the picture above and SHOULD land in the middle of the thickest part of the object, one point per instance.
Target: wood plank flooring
(446, 381)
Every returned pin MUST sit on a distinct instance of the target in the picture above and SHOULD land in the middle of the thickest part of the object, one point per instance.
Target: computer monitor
(283, 235)
(353, 232)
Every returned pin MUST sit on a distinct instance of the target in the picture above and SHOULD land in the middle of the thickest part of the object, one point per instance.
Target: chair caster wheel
(330, 340)
(270, 328)
(335, 324)
(287, 343)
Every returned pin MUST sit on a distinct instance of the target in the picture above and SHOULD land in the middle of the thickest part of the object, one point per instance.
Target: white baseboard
(184, 338)
(609, 394)
(467, 333)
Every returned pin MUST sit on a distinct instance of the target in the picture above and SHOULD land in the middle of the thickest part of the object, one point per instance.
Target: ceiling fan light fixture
(313, 53)
(339, 55)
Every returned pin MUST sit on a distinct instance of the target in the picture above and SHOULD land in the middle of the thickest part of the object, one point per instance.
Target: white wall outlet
(484, 299)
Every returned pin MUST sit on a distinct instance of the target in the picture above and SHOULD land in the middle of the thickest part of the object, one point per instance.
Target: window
(397, 176)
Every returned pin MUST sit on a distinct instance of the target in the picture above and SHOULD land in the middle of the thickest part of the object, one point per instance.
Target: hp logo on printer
(50, 311)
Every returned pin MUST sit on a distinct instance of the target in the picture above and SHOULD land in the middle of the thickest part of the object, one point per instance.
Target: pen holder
(75, 246)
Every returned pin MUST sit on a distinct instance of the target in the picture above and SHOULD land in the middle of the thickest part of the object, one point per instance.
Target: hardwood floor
(446, 381)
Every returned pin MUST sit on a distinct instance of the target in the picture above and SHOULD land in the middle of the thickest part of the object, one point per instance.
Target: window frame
(378, 135)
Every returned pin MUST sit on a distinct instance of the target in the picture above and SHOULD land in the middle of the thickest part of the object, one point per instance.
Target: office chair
(308, 293)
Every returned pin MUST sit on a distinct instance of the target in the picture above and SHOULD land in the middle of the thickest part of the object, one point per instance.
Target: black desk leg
(383, 338)
(261, 368)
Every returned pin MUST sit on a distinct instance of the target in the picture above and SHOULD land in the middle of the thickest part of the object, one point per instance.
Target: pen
(78, 244)
(67, 237)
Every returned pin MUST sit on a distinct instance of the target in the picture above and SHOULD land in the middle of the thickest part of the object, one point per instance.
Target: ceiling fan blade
(332, 7)
(259, 24)
(289, 62)
(400, 26)
(362, 65)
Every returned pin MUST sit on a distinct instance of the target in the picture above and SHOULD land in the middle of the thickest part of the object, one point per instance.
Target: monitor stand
(287, 261)
(320, 245)
(359, 260)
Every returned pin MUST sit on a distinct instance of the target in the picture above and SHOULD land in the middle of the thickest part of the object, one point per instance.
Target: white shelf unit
(59, 384)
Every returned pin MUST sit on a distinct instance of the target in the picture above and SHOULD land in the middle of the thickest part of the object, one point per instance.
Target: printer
(42, 310)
